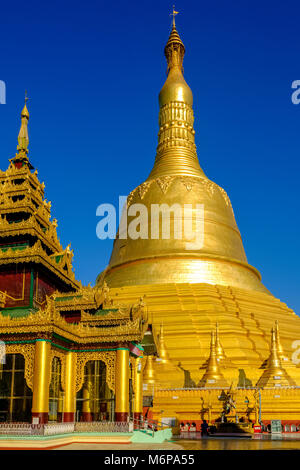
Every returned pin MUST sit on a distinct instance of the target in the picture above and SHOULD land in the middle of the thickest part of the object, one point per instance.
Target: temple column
(138, 402)
(60, 406)
(122, 385)
(41, 380)
(69, 407)
(86, 405)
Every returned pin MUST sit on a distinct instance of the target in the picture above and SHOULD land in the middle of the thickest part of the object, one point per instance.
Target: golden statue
(229, 403)
(102, 298)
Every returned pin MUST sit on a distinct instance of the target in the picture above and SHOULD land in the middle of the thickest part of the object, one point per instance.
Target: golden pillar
(122, 385)
(138, 402)
(69, 407)
(86, 405)
(60, 405)
(41, 380)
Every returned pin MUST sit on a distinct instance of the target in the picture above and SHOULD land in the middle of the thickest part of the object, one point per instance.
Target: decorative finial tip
(25, 112)
(174, 13)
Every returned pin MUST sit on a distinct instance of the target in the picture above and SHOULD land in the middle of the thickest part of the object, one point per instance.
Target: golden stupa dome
(216, 256)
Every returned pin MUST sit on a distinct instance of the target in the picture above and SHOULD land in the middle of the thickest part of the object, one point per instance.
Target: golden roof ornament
(175, 88)
(2, 299)
(23, 138)
(102, 298)
(174, 13)
(174, 49)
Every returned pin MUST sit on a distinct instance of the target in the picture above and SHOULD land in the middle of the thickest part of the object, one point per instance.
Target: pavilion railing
(51, 429)
(102, 426)
(27, 429)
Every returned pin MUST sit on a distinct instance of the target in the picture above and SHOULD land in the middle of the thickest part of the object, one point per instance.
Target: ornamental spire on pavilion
(33, 264)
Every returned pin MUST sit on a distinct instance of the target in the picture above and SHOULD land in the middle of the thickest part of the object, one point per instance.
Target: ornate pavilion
(69, 349)
(165, 327)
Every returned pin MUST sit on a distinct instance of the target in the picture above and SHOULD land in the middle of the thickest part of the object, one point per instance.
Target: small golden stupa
(274, 374)
(213, 376)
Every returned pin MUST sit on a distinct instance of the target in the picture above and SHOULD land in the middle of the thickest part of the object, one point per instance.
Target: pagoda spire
(176, 151)
(174, 49)
(163, 353)
(213, 376)
(219, 348)
(23, 138)
(21, 157)
(278, 342)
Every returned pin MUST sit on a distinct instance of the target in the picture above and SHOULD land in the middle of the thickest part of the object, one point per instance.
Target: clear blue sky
(93, 71)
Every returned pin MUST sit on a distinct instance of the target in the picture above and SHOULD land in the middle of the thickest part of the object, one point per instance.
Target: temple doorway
(95, 401)
(15, 395)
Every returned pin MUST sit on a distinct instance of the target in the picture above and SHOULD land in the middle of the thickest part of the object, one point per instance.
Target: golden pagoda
(190, 287)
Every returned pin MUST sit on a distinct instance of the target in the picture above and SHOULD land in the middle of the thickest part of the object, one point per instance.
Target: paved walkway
(112, 447)
(200, 444)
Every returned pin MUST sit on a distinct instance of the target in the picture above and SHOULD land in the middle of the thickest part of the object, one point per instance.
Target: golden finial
(174, 49)
(174, 13)
(23, 139)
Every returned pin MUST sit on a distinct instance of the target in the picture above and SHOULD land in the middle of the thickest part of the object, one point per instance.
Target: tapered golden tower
(190, 285)
(177, 178)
